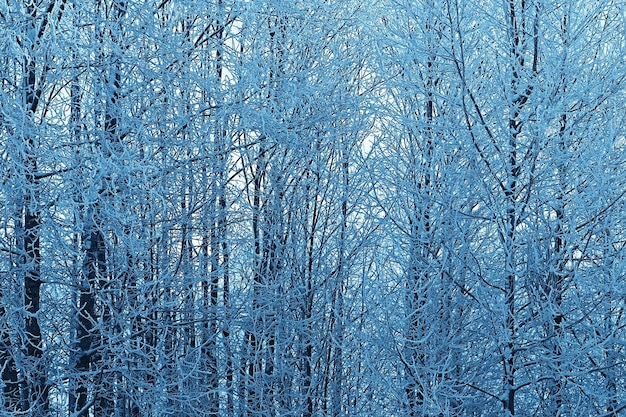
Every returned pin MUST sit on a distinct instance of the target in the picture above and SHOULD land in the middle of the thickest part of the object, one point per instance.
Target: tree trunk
(35, 388)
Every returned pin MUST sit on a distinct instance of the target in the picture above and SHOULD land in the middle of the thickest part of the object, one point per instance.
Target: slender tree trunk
(213, 307)
(518, 27)
(421, 238)
(558, 275)
(307, 303)
(222, 219)
(253, 339)
(90, 274)
(222, 234)
(35, 388)
(337, 397)
(88, 340)
(105, 392)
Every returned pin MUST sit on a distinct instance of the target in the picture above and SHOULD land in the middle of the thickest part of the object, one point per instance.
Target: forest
(312, 208)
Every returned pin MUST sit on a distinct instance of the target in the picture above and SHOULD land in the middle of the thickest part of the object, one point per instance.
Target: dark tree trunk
(35, 395)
